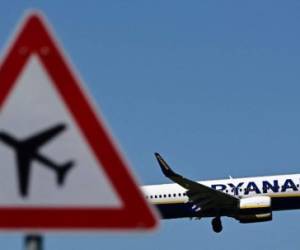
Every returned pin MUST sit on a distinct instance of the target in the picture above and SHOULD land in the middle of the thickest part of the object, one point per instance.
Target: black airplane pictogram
(27, 150)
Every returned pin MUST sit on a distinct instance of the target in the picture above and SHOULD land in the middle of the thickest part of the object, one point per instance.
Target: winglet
(167, 171)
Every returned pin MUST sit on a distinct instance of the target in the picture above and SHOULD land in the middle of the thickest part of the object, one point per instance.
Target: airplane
(247, 200)
(27, 150)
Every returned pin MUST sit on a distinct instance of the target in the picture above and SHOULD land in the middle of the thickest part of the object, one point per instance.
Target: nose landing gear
(217, 225)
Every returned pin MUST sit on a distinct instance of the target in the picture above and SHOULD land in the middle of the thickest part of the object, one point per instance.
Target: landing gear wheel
(217, 225)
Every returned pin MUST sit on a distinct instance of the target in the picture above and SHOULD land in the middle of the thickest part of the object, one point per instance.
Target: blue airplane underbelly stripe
(176, 210)
(285, 203)
(181, 210)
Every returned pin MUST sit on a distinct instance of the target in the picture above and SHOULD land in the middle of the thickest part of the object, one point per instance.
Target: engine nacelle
(251, 218)
(255, 209)
(255, 202)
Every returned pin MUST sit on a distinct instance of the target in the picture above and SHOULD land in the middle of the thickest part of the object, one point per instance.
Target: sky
(211, 85)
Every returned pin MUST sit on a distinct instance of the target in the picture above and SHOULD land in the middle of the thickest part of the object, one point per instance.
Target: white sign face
(33, 108)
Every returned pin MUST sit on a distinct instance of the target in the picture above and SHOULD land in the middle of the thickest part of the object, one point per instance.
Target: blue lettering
(252, 187)
(288, 184)
(267, 185)
(235, 189)
(219, 187)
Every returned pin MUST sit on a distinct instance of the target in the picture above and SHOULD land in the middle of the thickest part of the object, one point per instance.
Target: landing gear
(217, 225)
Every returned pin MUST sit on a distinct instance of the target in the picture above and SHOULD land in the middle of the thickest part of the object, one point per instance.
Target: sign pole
(33, 242)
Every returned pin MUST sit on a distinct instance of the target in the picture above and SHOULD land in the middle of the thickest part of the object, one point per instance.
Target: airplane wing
(44, 136)
(201, 196)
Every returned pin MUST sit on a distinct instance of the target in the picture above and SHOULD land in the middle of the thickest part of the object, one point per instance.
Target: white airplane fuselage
(259, 196)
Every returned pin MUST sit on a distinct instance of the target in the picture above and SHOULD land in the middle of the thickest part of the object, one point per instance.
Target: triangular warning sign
(60, 168)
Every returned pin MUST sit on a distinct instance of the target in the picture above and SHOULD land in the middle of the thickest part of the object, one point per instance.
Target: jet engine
(255, 209)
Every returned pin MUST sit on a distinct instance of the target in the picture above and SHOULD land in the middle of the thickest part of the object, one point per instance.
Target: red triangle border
(35, 37)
